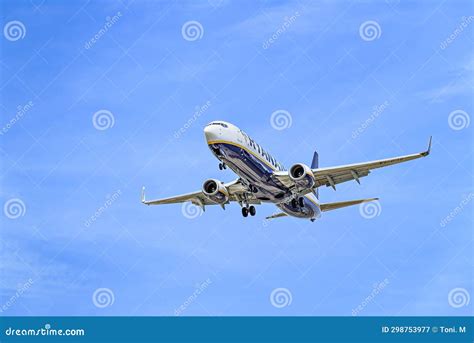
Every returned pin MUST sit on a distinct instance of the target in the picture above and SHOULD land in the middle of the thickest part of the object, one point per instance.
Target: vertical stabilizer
(315, 165)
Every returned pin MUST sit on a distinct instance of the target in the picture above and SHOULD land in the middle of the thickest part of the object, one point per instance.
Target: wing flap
(323, 180)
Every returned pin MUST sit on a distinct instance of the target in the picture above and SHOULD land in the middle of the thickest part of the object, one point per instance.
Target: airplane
(262, 179)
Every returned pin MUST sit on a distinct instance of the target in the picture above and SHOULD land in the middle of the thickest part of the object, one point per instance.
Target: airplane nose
(211, 133)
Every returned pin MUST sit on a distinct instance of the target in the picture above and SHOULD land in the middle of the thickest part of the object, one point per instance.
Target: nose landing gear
(222, 166)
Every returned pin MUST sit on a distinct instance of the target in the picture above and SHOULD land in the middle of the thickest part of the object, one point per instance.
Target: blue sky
(413, 258)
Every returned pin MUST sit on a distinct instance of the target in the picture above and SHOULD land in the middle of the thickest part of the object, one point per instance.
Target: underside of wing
(334, 175)
(236, 190)
(335, 205)
(284, 178)
(197, 198)
(332, 178)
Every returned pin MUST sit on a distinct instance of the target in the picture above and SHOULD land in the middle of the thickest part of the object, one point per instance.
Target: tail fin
(314, 165)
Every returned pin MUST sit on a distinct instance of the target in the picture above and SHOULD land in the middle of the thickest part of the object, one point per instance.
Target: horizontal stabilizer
(335, 205)
(277, 215)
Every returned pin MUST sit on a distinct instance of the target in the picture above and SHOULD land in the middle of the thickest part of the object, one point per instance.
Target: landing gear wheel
(301, 201)
(252, 210)
(254, 189)
(245, 211)
(294, 203)
(220, 166)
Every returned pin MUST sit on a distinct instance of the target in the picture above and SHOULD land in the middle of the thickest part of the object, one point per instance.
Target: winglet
(143, 195)
(427, 152)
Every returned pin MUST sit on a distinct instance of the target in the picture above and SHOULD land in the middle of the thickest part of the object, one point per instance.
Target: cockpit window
(220, 124)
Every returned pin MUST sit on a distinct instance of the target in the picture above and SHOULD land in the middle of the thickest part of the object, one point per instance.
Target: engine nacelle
(215, 191)
(302, 175)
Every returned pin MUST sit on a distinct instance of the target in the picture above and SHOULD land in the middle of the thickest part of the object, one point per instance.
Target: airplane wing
(333, 175)
(235, 189)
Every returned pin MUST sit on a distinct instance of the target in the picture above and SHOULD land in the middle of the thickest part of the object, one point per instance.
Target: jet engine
(215, 191)
(302, 175)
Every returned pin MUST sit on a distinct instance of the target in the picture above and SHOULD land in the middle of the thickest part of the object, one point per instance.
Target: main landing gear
(297, 202)
(222, 166)
(249, 210)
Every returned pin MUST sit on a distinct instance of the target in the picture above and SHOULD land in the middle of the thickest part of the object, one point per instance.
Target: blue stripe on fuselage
(251, 169)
